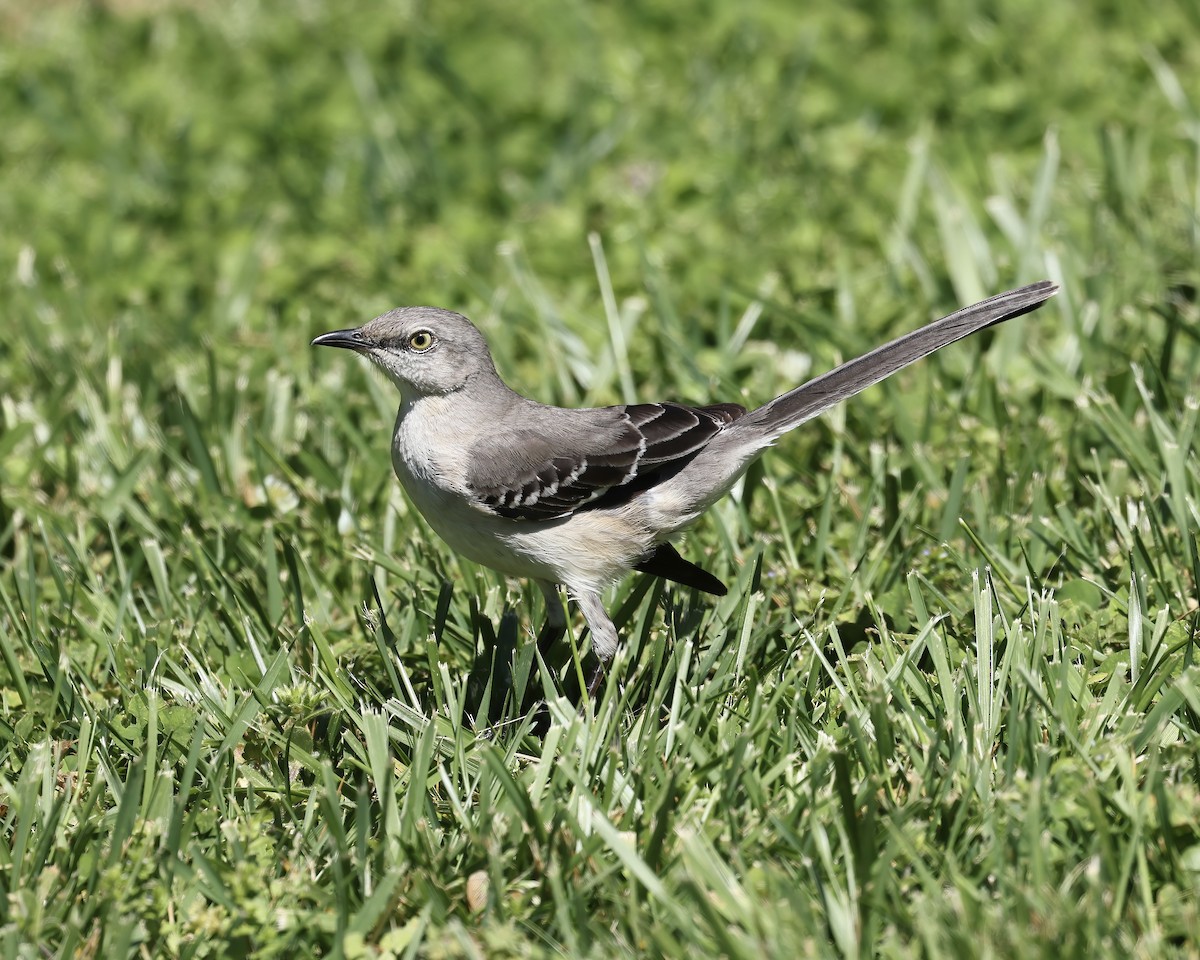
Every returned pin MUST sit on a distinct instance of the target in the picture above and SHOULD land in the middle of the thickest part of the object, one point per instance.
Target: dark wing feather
(666, 562)
(592, 458)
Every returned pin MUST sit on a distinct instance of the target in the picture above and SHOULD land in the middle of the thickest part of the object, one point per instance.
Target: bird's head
(423, 350)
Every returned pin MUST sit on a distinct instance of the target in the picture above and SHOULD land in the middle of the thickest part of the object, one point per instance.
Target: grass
(950, 704)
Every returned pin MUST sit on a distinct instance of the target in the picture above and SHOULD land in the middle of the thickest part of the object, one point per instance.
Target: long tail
(818, 395)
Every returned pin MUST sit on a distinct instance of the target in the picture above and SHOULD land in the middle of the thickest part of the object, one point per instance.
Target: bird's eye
(420, 341)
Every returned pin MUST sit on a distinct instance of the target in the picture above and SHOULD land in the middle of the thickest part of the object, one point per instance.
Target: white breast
(431, 464)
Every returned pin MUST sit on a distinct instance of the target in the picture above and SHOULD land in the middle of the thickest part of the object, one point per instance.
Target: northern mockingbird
(578, 498)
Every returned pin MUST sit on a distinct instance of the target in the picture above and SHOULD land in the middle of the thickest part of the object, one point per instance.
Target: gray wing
(590, 458)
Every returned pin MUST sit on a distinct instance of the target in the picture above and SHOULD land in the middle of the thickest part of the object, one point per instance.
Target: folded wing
(578, 459)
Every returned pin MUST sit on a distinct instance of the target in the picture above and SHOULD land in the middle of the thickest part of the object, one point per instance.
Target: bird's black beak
(350, 339)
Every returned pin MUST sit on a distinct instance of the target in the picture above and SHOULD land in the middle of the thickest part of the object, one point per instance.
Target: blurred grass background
(949, 707)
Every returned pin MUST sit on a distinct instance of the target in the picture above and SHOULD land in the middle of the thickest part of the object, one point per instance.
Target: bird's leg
(595, 679)
(555, 626)
(604, 637)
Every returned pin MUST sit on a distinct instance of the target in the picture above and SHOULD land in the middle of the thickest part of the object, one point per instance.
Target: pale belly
(587, 550)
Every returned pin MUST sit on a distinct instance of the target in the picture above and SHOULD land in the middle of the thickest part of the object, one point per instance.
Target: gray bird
(578, 498)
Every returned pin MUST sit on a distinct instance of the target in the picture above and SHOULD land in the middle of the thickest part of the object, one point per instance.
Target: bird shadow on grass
(494, 685)
(506, 683)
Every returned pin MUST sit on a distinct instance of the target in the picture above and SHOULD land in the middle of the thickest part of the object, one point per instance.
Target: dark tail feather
(666, 562)
(807, 401)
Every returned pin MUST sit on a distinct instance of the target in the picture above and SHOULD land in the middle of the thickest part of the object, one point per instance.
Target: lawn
(250, 706)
